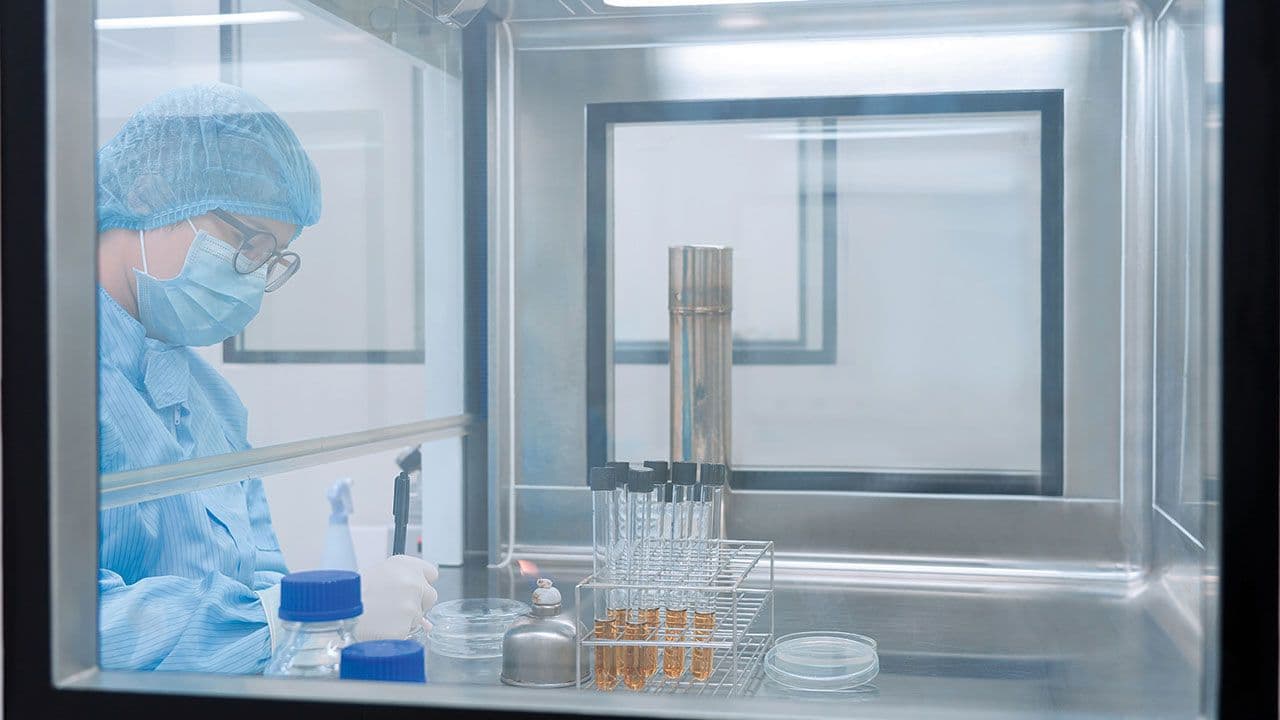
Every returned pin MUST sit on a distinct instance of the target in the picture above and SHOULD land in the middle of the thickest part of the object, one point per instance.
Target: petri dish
(822, 661)
(465, 642)
(473, 623)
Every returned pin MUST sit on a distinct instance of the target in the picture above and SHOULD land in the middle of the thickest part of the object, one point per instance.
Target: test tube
(618, 598)
(659, 539)
(657, 518)
(712, 478)
(640, 495)
(604, 543)
(683, 477)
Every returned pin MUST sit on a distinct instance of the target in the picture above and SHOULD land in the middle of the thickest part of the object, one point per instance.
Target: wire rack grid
(731, 578)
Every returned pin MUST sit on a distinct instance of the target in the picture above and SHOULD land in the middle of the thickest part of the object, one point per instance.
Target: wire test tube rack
(732, 577)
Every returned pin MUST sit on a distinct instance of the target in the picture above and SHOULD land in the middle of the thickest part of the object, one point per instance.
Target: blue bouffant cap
(203, 147)
(394, 660)
(320, 596)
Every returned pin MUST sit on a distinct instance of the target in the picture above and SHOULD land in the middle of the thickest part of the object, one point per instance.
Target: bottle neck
(545, 610)
(323, 626)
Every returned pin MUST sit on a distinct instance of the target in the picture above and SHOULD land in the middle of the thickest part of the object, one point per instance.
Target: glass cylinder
(617, 600)
(604, 531)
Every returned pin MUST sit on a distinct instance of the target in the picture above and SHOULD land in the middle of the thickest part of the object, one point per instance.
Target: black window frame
(1047, 103)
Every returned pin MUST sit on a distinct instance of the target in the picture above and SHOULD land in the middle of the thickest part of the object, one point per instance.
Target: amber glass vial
(652, 619)
(703, 623)
(633, 661)
(673, 657)
(606, 664)
(619, 618)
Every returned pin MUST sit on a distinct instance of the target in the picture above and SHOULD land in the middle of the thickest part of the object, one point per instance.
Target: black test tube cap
(603, 478)
(684, 473)
(640, 480)
(662, 478)
(714, 474)
(660, 473)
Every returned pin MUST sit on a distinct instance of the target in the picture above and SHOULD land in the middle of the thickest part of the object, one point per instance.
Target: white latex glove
(397, 594)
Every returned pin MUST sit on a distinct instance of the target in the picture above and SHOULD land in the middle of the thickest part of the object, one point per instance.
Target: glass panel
(302, 506)
(384, 274)
(220, 122)
(974, 358)
(1188, 237)
(935, 229)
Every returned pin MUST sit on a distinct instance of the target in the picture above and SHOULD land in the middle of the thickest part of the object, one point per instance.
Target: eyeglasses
(259, 247)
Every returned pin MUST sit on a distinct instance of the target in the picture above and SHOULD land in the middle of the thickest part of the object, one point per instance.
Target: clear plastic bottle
(318, 611)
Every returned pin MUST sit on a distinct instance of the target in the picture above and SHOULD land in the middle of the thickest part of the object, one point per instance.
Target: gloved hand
(397, 594)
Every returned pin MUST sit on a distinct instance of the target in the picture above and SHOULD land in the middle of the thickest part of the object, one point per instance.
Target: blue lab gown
(177, 576)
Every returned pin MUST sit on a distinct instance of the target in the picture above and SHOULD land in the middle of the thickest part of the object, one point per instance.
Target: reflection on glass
(198, 170)
(217, 133)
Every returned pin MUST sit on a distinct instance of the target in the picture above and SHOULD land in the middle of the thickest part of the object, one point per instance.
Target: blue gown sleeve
(148, 620)
(270, 566)
(209, 624)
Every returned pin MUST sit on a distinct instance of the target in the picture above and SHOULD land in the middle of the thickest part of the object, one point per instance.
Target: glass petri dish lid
(474, 619)
(822, 660)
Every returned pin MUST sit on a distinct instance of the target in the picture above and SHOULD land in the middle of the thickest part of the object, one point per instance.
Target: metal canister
(700, 303)
(538, 650)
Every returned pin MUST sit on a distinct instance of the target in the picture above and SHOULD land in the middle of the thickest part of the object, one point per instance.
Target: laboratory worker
(201, 197)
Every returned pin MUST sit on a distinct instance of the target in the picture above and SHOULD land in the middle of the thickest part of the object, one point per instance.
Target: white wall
(937, 287)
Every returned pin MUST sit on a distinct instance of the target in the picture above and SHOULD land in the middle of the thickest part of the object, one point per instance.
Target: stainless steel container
(700, 303)
(538, 649)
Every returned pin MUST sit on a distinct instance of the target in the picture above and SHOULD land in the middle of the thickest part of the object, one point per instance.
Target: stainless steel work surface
(1001, 649)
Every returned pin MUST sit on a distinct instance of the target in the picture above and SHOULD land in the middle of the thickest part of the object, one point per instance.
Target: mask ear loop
(143, 243)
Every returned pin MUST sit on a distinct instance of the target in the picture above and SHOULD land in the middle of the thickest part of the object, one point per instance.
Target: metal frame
(1249, 610)
(46, 142)
(475, 193)
(1049, 105)
(133, 486)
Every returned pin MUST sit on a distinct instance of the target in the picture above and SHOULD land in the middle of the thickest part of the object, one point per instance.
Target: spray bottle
(339, 549)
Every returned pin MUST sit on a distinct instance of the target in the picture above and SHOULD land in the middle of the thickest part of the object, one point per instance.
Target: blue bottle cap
(391, 660)
(320, 595)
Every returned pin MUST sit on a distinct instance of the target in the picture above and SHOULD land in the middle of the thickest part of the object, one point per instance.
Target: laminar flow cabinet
(1003, 356)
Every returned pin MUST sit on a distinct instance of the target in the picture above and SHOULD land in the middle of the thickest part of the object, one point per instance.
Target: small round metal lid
(545, 595)
(822, 661)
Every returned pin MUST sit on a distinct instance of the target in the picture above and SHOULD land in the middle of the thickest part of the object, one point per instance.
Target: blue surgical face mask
(207, 302)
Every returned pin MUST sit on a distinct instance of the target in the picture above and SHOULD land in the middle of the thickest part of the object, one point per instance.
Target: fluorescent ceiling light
(681, 3)
(177, 21)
